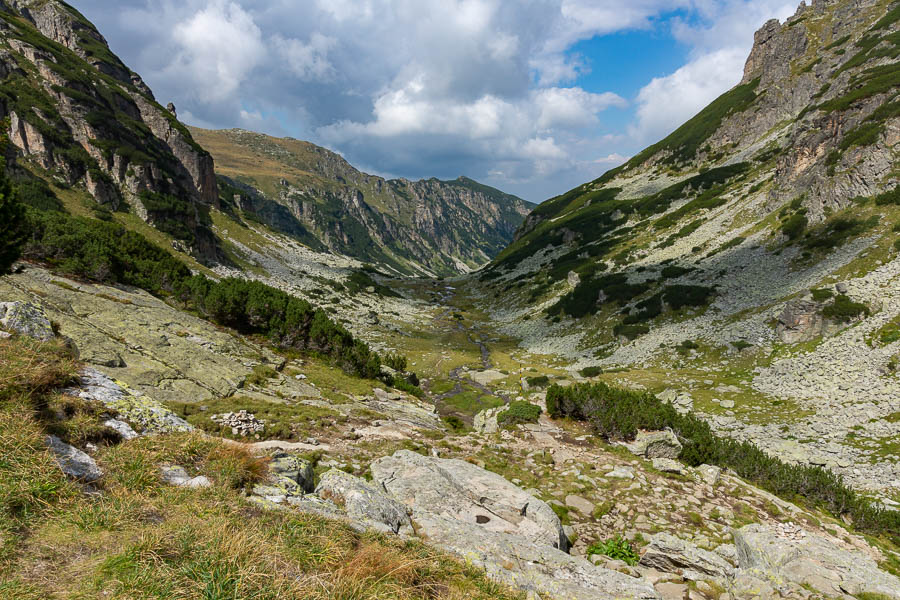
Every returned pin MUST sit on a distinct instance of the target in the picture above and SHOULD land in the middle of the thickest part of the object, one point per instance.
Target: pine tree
(12, 223)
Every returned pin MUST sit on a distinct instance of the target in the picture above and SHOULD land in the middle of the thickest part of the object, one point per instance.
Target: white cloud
(432, 87)
(218, 46)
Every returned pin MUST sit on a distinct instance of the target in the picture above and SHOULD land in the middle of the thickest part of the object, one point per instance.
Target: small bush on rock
(617, 548)
(519, 413)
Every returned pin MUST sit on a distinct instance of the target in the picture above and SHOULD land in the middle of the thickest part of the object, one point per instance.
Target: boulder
(710, 474)
(486, 420)
(811, 561)
(582, 505)
(175, 475)
(363, 501)
(668, 465)
(655, 444)
(491, 523)
(800, 321)
(122, 428)
(72, 461)
(26, 319)
(669, 554)
(294, 468)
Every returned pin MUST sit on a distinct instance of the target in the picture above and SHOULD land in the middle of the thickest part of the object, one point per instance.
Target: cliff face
(414, 227)
(76, 111)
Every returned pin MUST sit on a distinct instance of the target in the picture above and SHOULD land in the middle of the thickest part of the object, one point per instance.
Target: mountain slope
(314, 195)
(746, 264)
(79, 117)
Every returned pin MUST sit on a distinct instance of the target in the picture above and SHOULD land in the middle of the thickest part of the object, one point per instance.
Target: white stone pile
(241, 422)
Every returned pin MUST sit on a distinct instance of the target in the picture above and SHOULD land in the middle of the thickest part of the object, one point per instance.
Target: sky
(534, 97)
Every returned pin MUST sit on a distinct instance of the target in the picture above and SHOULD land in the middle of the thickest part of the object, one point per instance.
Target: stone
(655, 444)
(241, 422)
(365, 501)
(294, 468)
(486, 420)
(621, 473)
(800, 321)
(173, 474)
(486, 377)
(122, 428)
(26, 319)
(582, 505)
(72, 461)
(668, 465)
(710, 474)
(671, 591)
(573, 279)
(726, 403)
(484, 519)
(811, 561)
(668, 553)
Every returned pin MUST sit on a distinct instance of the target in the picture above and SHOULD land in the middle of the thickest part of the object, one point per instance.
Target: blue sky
(531, 96)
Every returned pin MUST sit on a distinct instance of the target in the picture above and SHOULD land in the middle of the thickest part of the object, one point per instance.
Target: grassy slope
(138, 538)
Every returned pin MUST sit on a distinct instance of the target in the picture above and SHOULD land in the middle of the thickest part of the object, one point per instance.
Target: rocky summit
(235, 366)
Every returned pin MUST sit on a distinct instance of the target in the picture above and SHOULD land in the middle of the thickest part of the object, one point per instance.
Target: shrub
(617, 548)
(794, 227)
(835, 232)
(741, 345)
(678, 296)
(630, 331)
(12, 216)
(821, 295)
(395, 361)
(844, 309)
(538, 381)
(617, 413)
(591, 371)
(455, 424)
(519, 413)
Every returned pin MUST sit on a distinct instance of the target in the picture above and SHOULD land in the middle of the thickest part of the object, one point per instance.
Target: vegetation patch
(843, 309)
(617, 414)
(617, 548)
(519, 413)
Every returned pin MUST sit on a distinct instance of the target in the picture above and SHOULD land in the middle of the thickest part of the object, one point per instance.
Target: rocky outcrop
(655, 444)
(669, 554)
(811, 561)
(800, 321)
(490, 522)
(26, 319)
(83, 116)
(363, 501)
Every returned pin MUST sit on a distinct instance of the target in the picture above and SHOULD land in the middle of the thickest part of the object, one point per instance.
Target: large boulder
(493, 524)
(72, 461)
(365, 502)
(486, 420)
(811, 561)
(800, 321)
(655, 444)
(670, 554)
(26, 319)
(294, 468)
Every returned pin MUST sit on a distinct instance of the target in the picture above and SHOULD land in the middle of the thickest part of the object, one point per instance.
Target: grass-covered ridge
(617, 414)
(139, 538)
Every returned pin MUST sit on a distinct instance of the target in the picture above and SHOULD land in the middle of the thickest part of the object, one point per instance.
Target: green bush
(617, 414)
(538, 381)
(617, 548)
(844, 309)
(12, 227)
(794, 227)
(630, 331)
(678, 296)
(108, 253)
(396, 361)
(591, 371)
(821, 295)
(836, 231)
(519, 413)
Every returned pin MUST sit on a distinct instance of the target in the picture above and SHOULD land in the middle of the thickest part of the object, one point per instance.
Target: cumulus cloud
(487, 88)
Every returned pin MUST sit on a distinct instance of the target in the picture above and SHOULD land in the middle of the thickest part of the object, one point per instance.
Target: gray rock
(800, 321)
(655, 444)
(668, 465)
(72, 461)
(811, 561)
(122, 428)
(294, 468)
(173, 474)
(26, 319)
(486, 420)
(668, 553)
(493, 524)
(582, 505)
(200, 481)
(362, 500)
(710, 474)
(621, 473)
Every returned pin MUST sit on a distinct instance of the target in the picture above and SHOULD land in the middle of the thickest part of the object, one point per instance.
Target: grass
(142, 539)
(283, 421)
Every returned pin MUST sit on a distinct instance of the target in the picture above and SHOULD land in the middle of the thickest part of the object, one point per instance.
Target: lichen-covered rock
(294, 468)
(175, 475)
(491, 523)
(800, 321)
(655, 444)
(145, 413)
(670, 554)
(72, 461)
(362, 500)
(26, 319)
(486, 420)
(811, 561)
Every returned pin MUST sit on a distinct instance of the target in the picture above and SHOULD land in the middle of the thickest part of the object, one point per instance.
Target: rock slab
(72, 461)
(26, 319)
